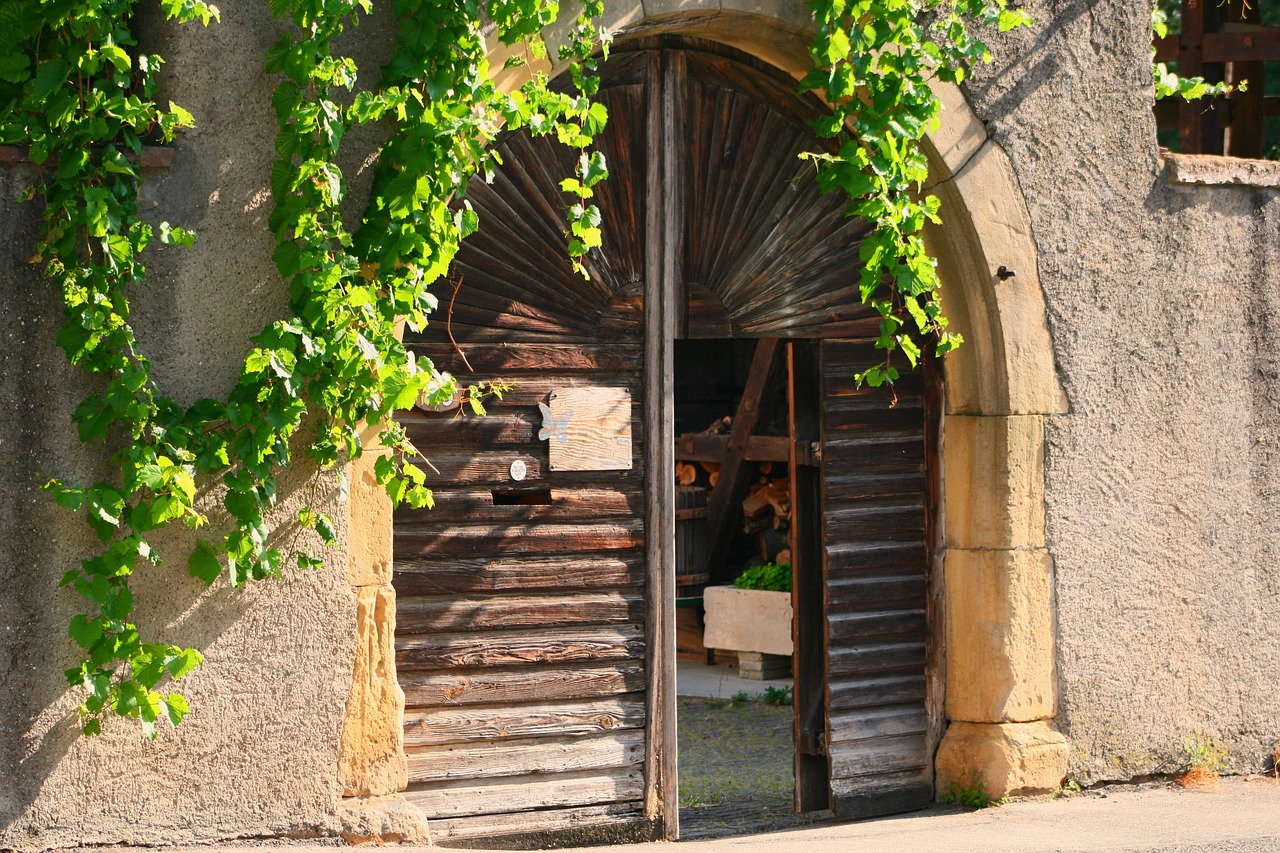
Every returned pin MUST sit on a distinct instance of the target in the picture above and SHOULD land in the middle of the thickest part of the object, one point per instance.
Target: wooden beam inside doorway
(724, 504)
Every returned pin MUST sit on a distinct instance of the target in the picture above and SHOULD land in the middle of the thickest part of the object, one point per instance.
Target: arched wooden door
(535, 634)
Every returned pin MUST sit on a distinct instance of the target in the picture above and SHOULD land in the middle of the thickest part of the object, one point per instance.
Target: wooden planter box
(747, 620)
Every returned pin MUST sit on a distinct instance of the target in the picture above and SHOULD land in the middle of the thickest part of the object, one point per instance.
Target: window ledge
(1216, 171)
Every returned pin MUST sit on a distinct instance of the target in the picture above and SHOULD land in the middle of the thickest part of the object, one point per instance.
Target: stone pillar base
(382, 820)
(1004, 758)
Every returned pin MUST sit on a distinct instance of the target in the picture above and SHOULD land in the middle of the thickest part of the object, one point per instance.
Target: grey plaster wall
(259, 753)
(1163, 477)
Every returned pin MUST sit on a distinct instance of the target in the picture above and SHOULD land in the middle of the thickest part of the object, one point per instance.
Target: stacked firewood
(687, 472)
(768, 502)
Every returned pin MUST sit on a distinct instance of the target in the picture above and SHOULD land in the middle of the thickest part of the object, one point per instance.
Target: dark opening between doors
(526, 497)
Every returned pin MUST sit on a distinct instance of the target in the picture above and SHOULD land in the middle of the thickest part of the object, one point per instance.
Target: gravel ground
(736, 771)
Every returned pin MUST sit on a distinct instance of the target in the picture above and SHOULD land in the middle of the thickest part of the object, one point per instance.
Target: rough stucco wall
(259, 753)
(1162, 477)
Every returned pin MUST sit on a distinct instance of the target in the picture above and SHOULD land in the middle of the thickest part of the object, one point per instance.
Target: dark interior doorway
(739, 732)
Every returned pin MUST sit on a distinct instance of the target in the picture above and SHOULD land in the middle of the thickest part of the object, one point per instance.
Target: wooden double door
(535, 621)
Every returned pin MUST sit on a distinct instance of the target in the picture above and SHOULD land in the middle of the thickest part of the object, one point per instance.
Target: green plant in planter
(775, 577)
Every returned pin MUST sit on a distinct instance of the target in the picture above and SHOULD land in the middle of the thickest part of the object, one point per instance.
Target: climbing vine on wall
(873, 60)
(74, 90)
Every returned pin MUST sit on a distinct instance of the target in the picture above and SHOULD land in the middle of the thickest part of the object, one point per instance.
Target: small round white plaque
(519, 470)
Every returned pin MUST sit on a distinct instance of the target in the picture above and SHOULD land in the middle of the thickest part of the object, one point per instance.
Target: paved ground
(1240, 816)
(718, 681)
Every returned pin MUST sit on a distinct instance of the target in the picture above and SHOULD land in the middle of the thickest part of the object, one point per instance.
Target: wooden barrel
(691, 541)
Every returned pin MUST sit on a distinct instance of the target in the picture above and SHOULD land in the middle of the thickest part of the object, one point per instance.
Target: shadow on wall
(40, 541)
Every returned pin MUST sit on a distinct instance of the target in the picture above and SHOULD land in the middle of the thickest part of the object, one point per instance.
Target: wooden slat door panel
(880, 731)
(521, 626)
(522, 623)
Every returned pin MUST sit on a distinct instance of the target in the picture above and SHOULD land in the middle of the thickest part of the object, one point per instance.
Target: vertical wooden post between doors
(660, 317)
(808, 595)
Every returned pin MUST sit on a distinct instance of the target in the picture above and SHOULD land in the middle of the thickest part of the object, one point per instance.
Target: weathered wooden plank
(522, 684)
(532, 539)
(152, 157)
(850, 659)
(891, 519)
(466, 332)
(450, 467)
(439, 614)
(869, 591)
(857, 625)
(530, 389)
(877, 756)
(1191, 64)
(524, 793)
(874, 556)
(851, 692)
(838, 420)
(1247, 46)
(808, 628)
(449, 576)
(547, 755)
(504, 648)
(882, 482)
(616, 820)
(841, 388)
(811, 328)
(431, 432)
(849, 356)
(539, 358)
(504, 504)
(478, 724)
(479, 310)
(859, 797)
(850, 456)
(850, 727)
(663, 227)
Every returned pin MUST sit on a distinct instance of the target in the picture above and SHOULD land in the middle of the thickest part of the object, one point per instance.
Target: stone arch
(1001, 684)
(999, 651)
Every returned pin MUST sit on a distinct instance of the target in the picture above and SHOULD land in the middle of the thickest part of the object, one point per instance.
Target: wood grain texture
(449, 615)
(544, 755)
(533, 539)
(614, 821)
(488, 575)
(493, 685)
(525, 793)
(467, 505)
(876, 523)
(490, 724)
(507, 648)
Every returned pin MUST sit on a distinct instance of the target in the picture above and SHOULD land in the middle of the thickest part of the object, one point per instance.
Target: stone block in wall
(369, 529)
(999, 629)
(372, 759)
(995, 481)
(382, 820)
(1003, 758)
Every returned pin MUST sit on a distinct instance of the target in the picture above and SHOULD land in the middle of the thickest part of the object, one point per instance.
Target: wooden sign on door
(588, 429)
